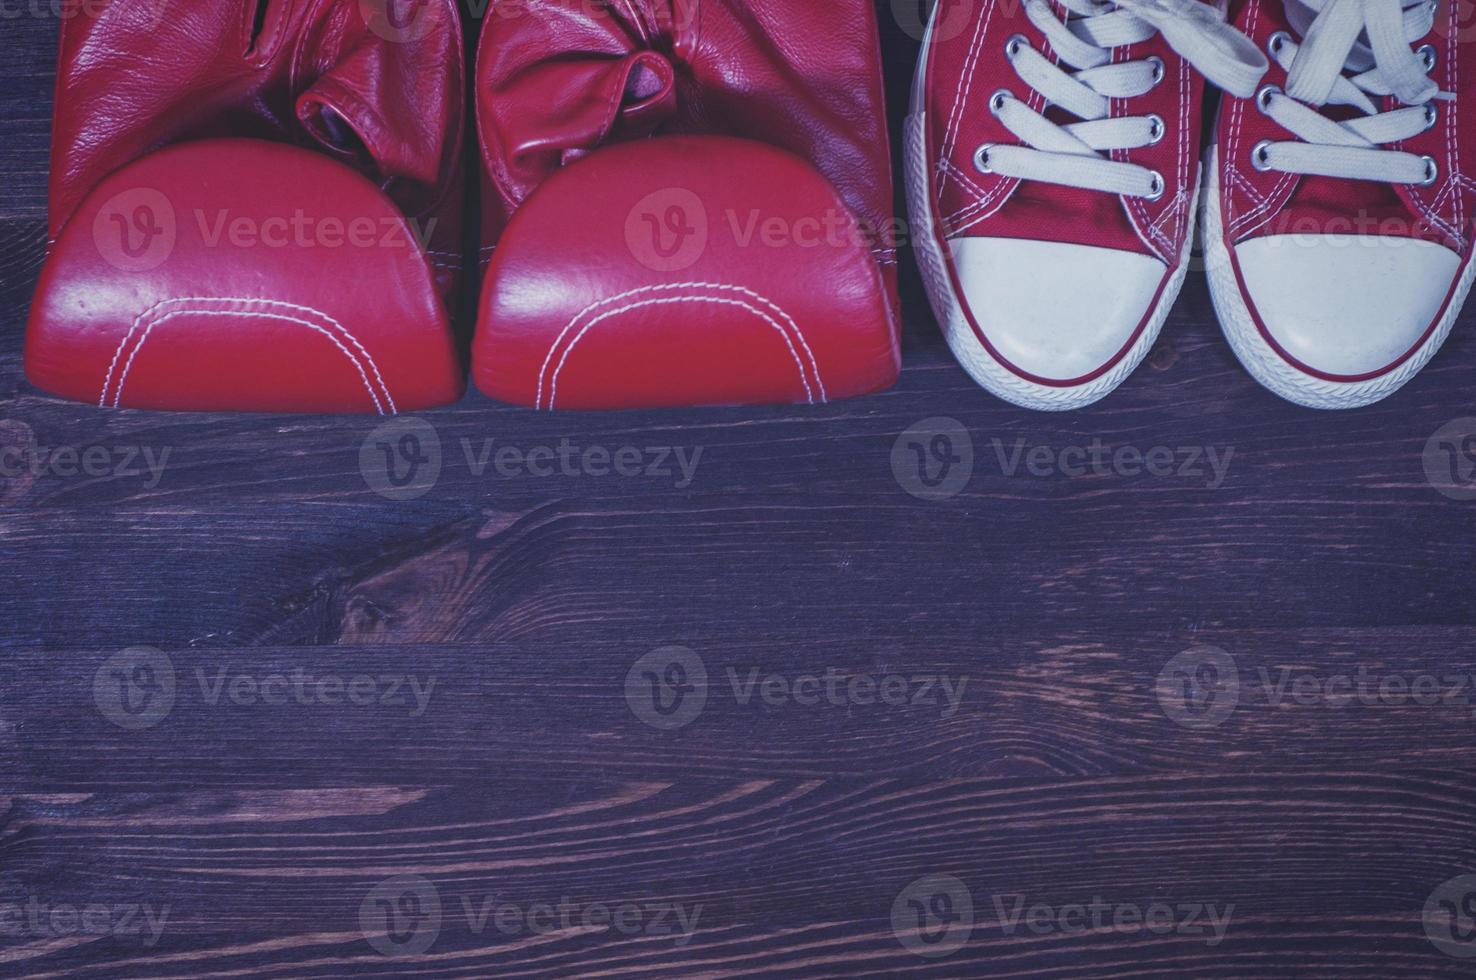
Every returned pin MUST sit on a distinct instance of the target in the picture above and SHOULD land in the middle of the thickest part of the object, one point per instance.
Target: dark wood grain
(1069, 770)
(1078, 705)
(793, 521)
(28, 66)
(788, 875)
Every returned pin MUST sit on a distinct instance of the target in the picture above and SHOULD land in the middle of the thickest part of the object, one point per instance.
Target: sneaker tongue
(1198, 33)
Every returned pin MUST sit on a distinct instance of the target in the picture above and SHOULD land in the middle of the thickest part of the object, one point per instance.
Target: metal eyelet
(1155, 186)
(1261, 156)
(1263, 97)
(1158, 69)
(1015, 43)
(1156, 129)
(1276, 42)
(1432, 115)
(1432, 171)
(981, 159)
(997, 100)
(1427, 55)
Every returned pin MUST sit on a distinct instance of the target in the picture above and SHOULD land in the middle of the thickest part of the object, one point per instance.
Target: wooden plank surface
(248, 703)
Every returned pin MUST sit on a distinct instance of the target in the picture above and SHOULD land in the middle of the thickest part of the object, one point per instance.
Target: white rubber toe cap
(1346, 305)
(1055, 310)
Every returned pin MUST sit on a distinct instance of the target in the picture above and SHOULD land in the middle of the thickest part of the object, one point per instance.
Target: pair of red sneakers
(1054, 171)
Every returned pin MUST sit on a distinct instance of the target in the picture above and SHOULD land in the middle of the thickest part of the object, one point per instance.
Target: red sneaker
(1338, 224)
(1053, 174)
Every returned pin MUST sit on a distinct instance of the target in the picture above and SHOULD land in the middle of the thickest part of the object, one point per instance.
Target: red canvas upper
(966, 66)
(1269, 202)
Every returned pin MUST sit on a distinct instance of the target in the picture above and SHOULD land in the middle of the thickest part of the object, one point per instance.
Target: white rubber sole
(975, 358)
(1268, 367)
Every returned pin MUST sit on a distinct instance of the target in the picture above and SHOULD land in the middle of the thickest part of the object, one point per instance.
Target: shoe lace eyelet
(1432, 115)
(1428, 56)
(1156, 129)
(1263, 97)
(1432, 171)
(1261, 156)
(1155, 186)
(1158, 68)
(1276, 42)
(1014, 45)
(997, 100)
(981, 159)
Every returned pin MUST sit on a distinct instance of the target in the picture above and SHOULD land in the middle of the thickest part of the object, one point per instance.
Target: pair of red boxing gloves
(262, 205)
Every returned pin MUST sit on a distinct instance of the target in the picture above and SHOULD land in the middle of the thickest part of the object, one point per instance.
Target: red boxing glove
(255, 206)
(684, 203)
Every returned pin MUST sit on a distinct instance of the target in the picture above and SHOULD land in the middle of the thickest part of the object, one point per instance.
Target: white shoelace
(1371, 39)
(1078, 154)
